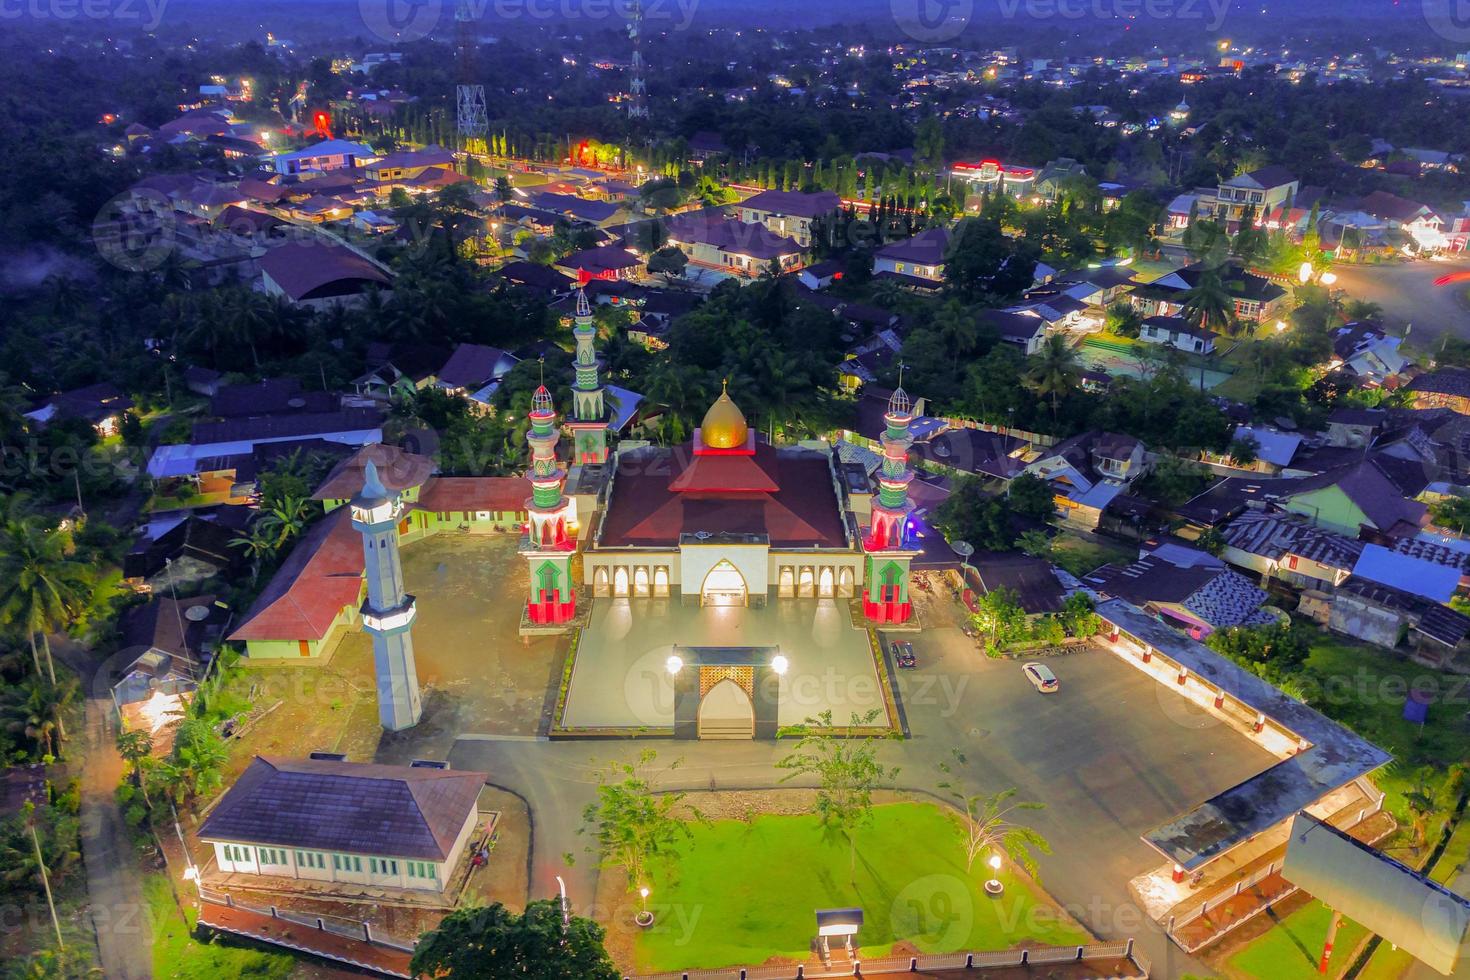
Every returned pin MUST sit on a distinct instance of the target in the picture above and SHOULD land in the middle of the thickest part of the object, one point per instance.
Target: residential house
(101, 404)
(1274, 449)
(1255, 298)
(921, 256)
(789, 213)
(1199, 597)
(217, 446)
(1176, 332)
(569, 206)
(1266, 193)
(535, 277)
(1368, 352)
(1289, 547)
(170, 642)
(603, 262)
(1443, 388)
(475, 371)
(326, 819)
(405, 165)
(1033, 581)
(1355, 497)
(321, 275)
(1355, 428)
(399, 369)
(327, 155)
(1058, 175)
(1026, 329)
(1087, 471)
(734, 246)
(973, 452)
(1384, 616)
(822, 274)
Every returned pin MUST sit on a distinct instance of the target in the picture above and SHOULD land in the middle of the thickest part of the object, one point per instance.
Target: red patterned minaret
(886, 570)
(548, 546)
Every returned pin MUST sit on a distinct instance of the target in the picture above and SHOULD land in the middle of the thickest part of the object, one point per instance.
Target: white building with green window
(326, 819)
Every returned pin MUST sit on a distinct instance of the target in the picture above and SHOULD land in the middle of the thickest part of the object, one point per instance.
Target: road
(1408, 295)
(1112, 756)
(114, 884)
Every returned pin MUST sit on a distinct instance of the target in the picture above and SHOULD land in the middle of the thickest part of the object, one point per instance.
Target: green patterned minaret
(589, 414)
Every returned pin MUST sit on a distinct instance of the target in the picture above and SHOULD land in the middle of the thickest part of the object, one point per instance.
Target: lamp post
(993, 885)
(644, 918)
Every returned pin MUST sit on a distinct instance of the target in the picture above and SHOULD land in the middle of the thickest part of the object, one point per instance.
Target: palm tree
(1209, 303)
(986, 821)
(1054, 371)
(259, 543)
(33, 708)
(286, 519)
(41, 586)
(200, 756)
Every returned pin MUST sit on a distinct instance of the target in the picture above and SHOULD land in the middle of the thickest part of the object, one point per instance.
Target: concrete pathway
(114, 882)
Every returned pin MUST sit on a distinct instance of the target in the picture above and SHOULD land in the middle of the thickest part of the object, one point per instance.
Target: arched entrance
(600, 585)
(787, 582)
(640, 581)
(661, 581)
(824, 583)
(844, 581)
(726, 712)
(620, 581)
(723, 586)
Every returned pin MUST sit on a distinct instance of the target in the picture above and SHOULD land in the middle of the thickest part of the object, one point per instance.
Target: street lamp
(1280, 325)
(993, 885)
(673, 664)
(1305, 273)
(644, 918)
(779, 664)
(1328, 278)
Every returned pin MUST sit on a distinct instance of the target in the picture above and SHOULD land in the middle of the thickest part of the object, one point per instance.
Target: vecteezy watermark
(1450, 19)
(932, 21)
(400, 20)
(149, 13)
(1212, 12)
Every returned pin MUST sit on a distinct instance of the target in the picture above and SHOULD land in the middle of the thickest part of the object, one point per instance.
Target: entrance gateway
(726, 692)
(723, 586)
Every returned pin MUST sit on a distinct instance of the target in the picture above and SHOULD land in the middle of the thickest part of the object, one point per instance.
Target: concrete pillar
(1183, 676)
(1148, 653)
(1331, 938)
(1260, 724)
(1219, 699)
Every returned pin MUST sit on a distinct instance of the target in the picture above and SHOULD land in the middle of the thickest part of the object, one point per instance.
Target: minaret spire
(589, 413)
(388, 611)
(548, 545)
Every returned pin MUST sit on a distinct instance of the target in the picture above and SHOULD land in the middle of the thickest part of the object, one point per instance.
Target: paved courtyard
(478, 675)
(621, 680)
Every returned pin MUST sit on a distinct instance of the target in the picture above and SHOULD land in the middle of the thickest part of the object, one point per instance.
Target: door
(723, 586)
(726, 712)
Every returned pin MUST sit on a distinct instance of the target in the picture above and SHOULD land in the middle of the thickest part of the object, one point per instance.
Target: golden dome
(724, 425)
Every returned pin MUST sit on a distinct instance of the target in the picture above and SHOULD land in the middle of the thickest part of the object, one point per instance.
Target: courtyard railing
(996, 959)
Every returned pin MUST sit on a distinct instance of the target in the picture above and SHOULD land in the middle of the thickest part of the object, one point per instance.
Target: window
(310, 859)
(421, 869)
(383, 866)
(270, 855)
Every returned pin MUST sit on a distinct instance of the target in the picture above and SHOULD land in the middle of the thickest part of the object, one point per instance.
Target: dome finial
(724, 425)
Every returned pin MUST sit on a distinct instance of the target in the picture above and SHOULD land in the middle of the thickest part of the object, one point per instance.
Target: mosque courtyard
(621, 677)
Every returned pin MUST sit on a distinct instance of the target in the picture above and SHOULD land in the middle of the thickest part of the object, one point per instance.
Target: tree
(1078, 617)
(1208, 305)
(1452, 513)
(41, 585)
(985, 820)
(1124, 320)
(134, 746)
(1035, 543)
(999, 614)
(847, 771)
(493, 941)
(669, 260)
(635, 828)
(198, 759)
(1053, 372)
(1030, 496)
(33, 708)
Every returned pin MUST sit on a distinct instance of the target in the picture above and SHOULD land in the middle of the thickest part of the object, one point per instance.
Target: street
(1408, 295)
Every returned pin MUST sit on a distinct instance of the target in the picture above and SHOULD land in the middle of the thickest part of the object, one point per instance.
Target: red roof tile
(446, 494)
(322, 574)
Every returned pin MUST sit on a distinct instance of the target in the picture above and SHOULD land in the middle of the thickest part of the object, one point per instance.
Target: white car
(1041, 677)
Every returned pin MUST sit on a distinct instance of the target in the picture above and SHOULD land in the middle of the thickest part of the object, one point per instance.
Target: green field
(1292, 949)
(745, 892)
(1364, 688)
(176, 953)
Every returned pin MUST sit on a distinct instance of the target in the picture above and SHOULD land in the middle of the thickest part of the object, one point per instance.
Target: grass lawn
(1365, 687)
(1291, 950)
(176, 953)
(745, 892)
(1080, 555)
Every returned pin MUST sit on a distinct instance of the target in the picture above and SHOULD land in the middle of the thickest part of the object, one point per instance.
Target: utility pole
(1331, 938)
(45, 879)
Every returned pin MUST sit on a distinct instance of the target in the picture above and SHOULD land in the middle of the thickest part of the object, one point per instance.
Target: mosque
(726, 519)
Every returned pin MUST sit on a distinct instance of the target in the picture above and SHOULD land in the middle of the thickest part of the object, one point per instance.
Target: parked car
(903, 655)
(1041, 677)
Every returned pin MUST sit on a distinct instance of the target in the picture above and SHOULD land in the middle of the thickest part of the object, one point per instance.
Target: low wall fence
(348, 928)
(998, 959)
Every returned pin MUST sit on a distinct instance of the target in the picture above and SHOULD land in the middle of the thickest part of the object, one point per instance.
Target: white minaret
(388, 611)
